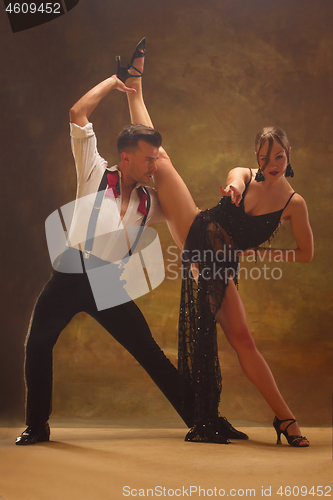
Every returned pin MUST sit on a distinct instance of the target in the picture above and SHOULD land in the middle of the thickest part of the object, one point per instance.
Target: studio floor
(102, 463)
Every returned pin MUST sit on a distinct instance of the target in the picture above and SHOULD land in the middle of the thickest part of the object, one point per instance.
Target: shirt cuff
(81, 132)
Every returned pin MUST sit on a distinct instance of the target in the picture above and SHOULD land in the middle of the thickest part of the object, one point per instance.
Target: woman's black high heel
(122, 71)
(292, 440)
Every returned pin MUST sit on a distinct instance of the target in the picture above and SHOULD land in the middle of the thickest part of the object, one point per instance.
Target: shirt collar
(115, 168)
(113, 189)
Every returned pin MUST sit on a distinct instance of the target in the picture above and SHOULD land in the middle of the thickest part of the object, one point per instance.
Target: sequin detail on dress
(211, 245)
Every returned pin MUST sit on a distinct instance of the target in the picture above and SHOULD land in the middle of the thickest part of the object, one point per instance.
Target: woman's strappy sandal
(292, 440)
(122, 71)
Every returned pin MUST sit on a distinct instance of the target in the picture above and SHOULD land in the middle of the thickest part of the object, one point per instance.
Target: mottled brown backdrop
(216, 72)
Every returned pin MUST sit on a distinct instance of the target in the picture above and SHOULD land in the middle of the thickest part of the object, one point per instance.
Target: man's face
(141, 164)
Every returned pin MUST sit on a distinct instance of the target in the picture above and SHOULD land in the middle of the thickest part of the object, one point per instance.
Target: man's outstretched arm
(81, 111)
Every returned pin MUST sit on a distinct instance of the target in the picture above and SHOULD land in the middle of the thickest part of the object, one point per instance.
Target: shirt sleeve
(84, 148)
(155, 213)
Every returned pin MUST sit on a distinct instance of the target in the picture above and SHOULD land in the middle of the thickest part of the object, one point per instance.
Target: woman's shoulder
(297, 205)
(297, 200)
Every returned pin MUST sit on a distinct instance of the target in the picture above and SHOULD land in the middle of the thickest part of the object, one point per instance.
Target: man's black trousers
(65, 295)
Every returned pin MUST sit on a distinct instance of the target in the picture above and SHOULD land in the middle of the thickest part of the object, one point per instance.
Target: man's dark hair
(128, 139)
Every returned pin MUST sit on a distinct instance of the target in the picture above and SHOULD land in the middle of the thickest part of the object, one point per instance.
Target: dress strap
(250, 177)
(289, 200)
(246, 186)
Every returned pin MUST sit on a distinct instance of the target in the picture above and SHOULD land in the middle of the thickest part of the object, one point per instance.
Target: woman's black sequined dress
(211, 245)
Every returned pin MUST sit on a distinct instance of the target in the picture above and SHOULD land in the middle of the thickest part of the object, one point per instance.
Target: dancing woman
(254, 203)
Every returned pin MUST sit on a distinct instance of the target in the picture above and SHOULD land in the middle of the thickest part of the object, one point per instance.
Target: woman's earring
(289, 171)
(260, 176)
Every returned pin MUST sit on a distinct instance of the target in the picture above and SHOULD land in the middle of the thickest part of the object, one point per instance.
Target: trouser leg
(55, 307)
(128, 326)
(64, 296)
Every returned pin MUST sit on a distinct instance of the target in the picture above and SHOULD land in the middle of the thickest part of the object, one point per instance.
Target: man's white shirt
(90, 167)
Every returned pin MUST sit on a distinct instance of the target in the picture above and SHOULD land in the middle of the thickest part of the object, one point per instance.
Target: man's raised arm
(81, 111)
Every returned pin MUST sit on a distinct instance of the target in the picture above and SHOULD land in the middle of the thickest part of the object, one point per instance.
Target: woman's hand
(236, 182)
(233, 192)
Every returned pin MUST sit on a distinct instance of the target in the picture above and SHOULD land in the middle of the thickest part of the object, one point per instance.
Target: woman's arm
(302, 232)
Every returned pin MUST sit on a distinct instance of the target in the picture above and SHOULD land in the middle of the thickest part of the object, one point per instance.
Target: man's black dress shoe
(228, 431)
(32, 436)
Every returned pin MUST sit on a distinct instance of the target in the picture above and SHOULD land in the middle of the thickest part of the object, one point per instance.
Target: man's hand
(80, 112)
(233, 192)
(119, 85)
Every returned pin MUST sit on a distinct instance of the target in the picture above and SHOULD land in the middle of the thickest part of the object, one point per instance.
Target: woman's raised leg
(232, 318)
(175, 199)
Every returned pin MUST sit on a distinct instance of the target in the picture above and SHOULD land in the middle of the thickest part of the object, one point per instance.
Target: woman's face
(277, 162)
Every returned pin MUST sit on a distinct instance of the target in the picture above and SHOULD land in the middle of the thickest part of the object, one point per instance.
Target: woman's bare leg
(137, 108)
(232, 318)
(175, 199)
